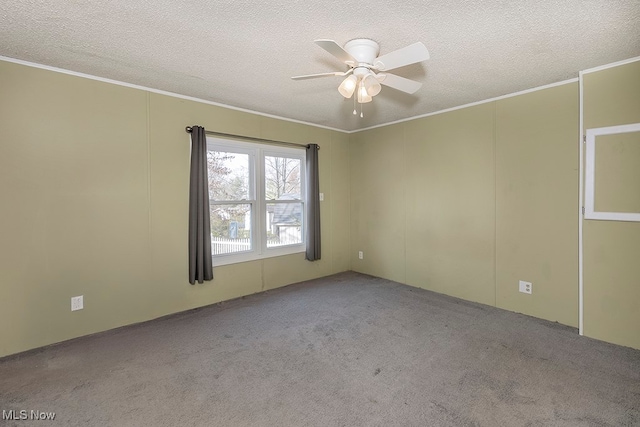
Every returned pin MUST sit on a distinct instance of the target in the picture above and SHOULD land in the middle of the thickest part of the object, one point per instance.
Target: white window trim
(257, 153)
(590, 174)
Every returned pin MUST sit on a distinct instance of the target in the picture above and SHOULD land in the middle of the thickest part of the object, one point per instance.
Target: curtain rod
(251, 138)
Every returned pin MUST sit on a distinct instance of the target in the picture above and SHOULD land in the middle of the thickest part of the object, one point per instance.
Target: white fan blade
(336, 50)
(313, 76)
(411, 54)
(399, 83)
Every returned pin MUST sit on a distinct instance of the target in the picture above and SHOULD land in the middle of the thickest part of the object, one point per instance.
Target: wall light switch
(321, 197)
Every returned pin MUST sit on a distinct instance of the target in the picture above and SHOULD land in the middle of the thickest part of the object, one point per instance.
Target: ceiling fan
(367, 71)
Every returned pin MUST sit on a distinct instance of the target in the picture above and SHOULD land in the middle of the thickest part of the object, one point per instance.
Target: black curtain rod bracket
(250, 138)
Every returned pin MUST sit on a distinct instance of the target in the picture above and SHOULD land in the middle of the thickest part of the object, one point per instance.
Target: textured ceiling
(243, 53)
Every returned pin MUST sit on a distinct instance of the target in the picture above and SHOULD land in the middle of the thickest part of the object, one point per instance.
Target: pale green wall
(450, 205)
(537, 178)
(94, 176)
(378, 196)
(470, 201)
(94, 191)
(617, 172)
(612, 248)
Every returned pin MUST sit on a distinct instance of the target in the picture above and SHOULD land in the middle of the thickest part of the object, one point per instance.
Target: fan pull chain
(354, 104)
(361, 115)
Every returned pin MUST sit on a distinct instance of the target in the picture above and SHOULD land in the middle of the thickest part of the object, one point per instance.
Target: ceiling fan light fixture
(363, 59)
(348, 86)
(363, 96)
(371, 85)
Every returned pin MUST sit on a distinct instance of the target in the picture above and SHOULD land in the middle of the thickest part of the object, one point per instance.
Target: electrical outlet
(77, 303)
(360, 255)
(525, 287)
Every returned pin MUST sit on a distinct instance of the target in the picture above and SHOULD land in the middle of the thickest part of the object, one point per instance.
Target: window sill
(220, 260)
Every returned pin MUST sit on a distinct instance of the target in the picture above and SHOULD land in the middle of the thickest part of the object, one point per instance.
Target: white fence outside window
(223, 245)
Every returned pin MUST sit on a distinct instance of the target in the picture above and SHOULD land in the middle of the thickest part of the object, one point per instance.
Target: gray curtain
(313, 203)
(200, 263)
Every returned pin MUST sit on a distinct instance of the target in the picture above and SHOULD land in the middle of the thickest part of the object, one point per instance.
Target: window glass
(229, 181)
(282, 178)
(230, 228)
(284, 224)
(256, 201)
(228, 175)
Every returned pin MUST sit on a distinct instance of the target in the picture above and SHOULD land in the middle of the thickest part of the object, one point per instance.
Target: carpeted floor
(347, 350)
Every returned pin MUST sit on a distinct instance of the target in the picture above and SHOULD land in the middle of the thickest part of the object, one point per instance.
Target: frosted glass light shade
(371, 85)
(348, 86)
(363, 96)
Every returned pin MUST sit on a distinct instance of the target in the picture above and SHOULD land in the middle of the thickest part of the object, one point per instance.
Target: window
(256, 200)
(619, 149)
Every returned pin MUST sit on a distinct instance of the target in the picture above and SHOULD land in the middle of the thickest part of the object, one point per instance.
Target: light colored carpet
(347, 350)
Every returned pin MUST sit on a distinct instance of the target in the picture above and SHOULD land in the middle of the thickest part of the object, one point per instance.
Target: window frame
(590, 174)
(258, 201)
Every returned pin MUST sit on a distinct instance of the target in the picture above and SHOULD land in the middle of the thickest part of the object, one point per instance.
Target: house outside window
(257, 198)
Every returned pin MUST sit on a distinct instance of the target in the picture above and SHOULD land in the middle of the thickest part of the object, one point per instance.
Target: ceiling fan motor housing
(365, 51)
